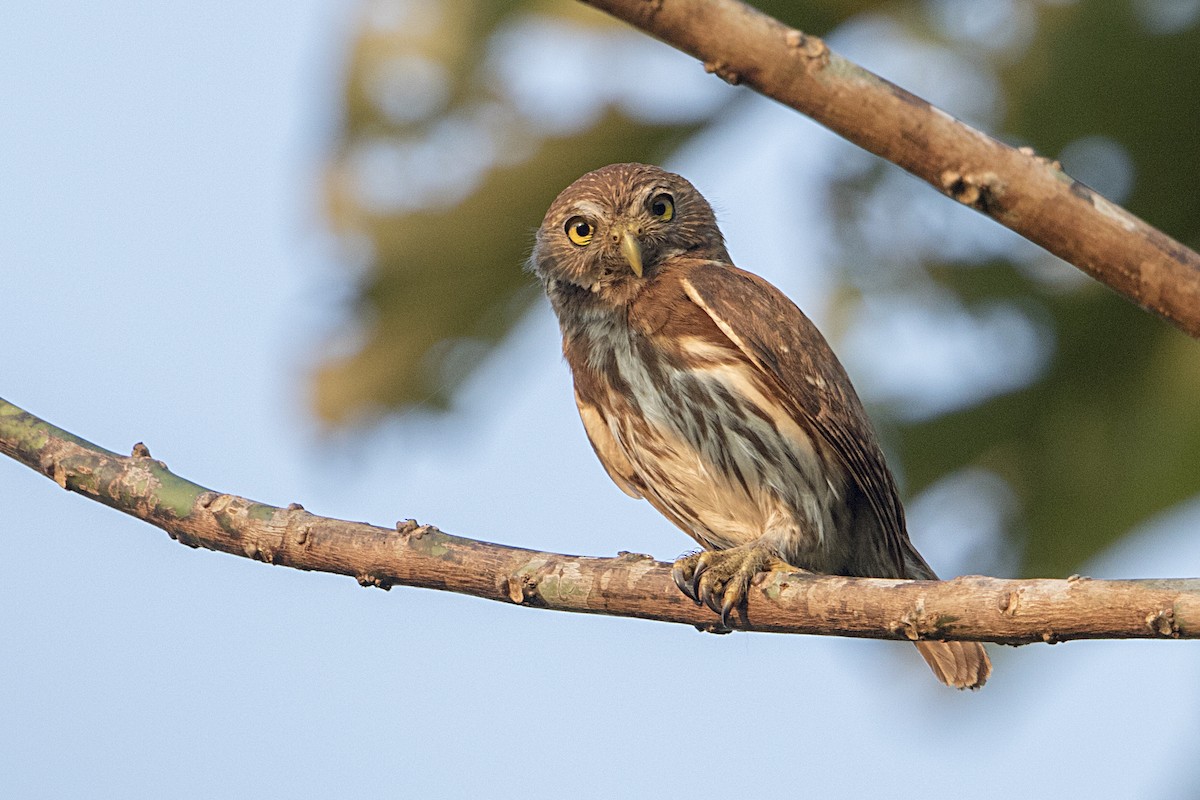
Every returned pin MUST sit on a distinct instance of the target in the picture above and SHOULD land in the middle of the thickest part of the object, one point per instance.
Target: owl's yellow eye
(663, 207)
(580, 230)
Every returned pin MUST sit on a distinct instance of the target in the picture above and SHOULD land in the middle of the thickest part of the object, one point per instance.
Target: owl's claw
(720, 579)
(700, 590)
(730, 602)
(706, 594)
(679, 573)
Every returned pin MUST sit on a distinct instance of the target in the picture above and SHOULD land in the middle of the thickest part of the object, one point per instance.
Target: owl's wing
(781, 341)
(616, 464)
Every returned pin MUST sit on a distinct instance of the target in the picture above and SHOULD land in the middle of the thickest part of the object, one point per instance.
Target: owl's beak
(632, 250)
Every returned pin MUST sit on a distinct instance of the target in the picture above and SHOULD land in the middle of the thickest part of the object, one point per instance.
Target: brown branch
(630, 585)
(1028, 194)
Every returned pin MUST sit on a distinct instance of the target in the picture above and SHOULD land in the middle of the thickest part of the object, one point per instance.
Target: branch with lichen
(1020, 190)
(630, 585)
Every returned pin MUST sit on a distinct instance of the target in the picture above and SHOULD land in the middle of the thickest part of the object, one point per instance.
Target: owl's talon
(737, 588)
(708, 595)
(720, 579)
(727, 607)
(681, 580)
(682, 572)
(701, 567)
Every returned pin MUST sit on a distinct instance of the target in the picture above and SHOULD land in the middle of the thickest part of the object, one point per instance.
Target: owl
(707, 392)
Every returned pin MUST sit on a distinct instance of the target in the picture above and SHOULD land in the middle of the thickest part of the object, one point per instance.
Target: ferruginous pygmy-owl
(706, 391)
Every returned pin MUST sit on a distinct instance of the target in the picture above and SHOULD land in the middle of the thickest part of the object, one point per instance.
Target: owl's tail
(963, 665)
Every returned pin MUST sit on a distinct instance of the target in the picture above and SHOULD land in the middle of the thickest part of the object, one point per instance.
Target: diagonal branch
(630, 585)
(1021, 191)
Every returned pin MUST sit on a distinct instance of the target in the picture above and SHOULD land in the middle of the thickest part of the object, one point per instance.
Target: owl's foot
(720, 579)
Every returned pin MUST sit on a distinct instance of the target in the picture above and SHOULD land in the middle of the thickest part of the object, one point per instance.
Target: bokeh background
(282, 244)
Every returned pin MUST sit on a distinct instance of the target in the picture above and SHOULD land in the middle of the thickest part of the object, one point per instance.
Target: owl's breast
(710, 449)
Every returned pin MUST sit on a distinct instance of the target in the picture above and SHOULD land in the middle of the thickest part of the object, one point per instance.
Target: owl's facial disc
(626, 233)
(610, 232)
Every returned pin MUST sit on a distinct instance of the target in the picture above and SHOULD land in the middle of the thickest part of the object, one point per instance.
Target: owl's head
(610, 231)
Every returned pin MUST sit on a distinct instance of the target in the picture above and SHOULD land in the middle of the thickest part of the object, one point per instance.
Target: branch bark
(630, 585)
(1029, 194)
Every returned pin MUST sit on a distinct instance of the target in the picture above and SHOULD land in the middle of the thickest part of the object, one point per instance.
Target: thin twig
(630, 585)
(1029, 194)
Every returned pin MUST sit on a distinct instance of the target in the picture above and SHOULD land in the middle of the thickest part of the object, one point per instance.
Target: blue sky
(164, 276)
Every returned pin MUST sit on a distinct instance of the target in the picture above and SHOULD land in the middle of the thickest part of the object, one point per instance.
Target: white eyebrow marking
(589, 208)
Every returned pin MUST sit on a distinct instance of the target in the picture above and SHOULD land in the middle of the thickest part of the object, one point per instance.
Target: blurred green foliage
(1108, 436)
(1111, 434)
